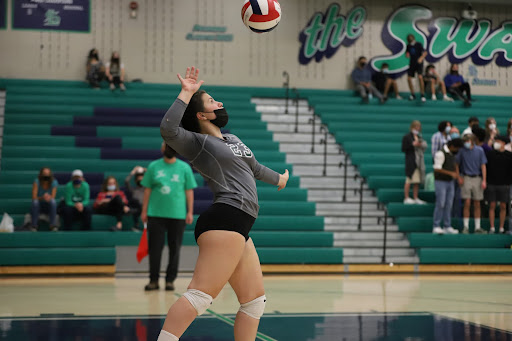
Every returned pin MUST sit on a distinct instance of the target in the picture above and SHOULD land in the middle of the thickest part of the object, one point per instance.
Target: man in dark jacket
(414, 148)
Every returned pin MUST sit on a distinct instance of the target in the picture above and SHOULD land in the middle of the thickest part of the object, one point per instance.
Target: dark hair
(473, 119)
(189, 120)
(114, 61)
(410, 35)
(105, 183)
(479, 133)
(431, 66)
(360, 58)
(384, 65)
(442, 125)
(40, 176)
(457, 143)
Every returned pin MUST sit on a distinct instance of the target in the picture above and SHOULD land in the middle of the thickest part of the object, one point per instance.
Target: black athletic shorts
(415, 68)
(499, 193)
(224, 217)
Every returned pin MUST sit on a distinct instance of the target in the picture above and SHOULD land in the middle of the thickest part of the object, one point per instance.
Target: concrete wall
(154, 46)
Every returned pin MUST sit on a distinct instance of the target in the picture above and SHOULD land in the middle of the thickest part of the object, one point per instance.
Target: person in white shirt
(114, 70)
(472, 122)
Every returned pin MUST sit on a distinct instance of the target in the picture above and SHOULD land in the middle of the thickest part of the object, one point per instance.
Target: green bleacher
(287, 231)
(372, 134)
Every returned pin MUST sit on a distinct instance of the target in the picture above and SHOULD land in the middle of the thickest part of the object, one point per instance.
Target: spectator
(456, 208)
(456, 85)
(471, 167)
(416, 55)
(168, 206)
(112, 201)
(136, 194)
(95, 69)
(445, 172)
(432, 77)
(384, 83)
(44, 190)
(362, 78)
(499, 169)
(491, 131)
(442, 137)
(76, 204)
(472, 122)
(114, 70)
(508, 147)
(414, 147)
(454, 132)
(479, 135)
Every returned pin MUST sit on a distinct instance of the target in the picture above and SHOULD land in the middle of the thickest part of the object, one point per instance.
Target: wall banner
(55, 15)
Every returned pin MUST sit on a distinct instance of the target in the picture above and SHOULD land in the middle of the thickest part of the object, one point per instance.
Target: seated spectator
(44, 190)
(136, 193)
(471, 167)
(432, 77)
(442, 137)
(499, 169)
(362, 78)
(384, 83)
(445, 173)
(114, 70)
(456, 85)
(472, 122)
(76, 206)
(112, 201)
(414, 148)
(491, 131)
(479, 138)
(95, 69)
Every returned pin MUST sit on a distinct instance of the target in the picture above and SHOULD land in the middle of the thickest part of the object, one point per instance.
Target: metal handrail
(286, 84)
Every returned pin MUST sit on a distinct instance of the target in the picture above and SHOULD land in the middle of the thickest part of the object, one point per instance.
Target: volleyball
(261, 15)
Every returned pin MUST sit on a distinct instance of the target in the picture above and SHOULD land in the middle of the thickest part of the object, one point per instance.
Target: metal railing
(286, 85)
(296, 100)
(323, 129)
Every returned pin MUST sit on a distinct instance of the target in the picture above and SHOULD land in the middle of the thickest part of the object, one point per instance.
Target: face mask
(492, 126)
(454, 136)
(111, 187)
(453, 72)
(415, 132)
(46, 178)
(138, 183)
(115, 60)
(168, 153)
(497, 145)
(77, 182)
(467, 145)
(362, 64)
(447, 129)
(430, 72)
(222, 118)
(385, 70)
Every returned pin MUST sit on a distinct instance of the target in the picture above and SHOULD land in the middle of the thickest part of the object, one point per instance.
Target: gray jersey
(228, 166)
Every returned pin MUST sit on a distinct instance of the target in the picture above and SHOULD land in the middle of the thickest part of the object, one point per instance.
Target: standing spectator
(95, 69)
(508, 147)
(168, 206)
(136, 194)
(414, 147)
(442, 137)
(77, 202)
(362, 78)
(472, 122)
(471, 167)
(432, 78)
(112, 201)
(44, 190)
(456, 85)
(114, 70)
(479, 138)
(445, 172)
(384, 83)
(499, 170)
(491, 131)
(416, 55)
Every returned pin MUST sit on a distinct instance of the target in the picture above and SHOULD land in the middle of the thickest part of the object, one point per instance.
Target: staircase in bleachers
(65, 125)
(371, 135)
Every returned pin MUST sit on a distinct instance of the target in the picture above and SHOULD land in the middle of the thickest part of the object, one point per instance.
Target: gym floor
(299, 308)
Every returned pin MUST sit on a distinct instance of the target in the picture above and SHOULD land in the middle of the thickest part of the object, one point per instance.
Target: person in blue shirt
(456, 85)
(416, 54)
(44, 190)
(362, 78)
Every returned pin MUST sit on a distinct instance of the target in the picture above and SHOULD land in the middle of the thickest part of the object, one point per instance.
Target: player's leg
(247, 282)
(219, 254)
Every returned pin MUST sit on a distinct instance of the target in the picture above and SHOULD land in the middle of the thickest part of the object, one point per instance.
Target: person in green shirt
(168, 206)
(76, 202)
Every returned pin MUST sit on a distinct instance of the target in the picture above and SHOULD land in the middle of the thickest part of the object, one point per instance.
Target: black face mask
(138, 183)
(115, 60)
(362, 64)
(77, 182)
(46, 178)
(222, 118)
(453, 72)
(169, 153)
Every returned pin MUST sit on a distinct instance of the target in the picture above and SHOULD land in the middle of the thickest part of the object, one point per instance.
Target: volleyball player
(226, 253)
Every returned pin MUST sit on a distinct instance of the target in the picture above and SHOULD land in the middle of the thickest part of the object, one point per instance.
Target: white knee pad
(166, 336)
(199, 300)
(254, 308)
